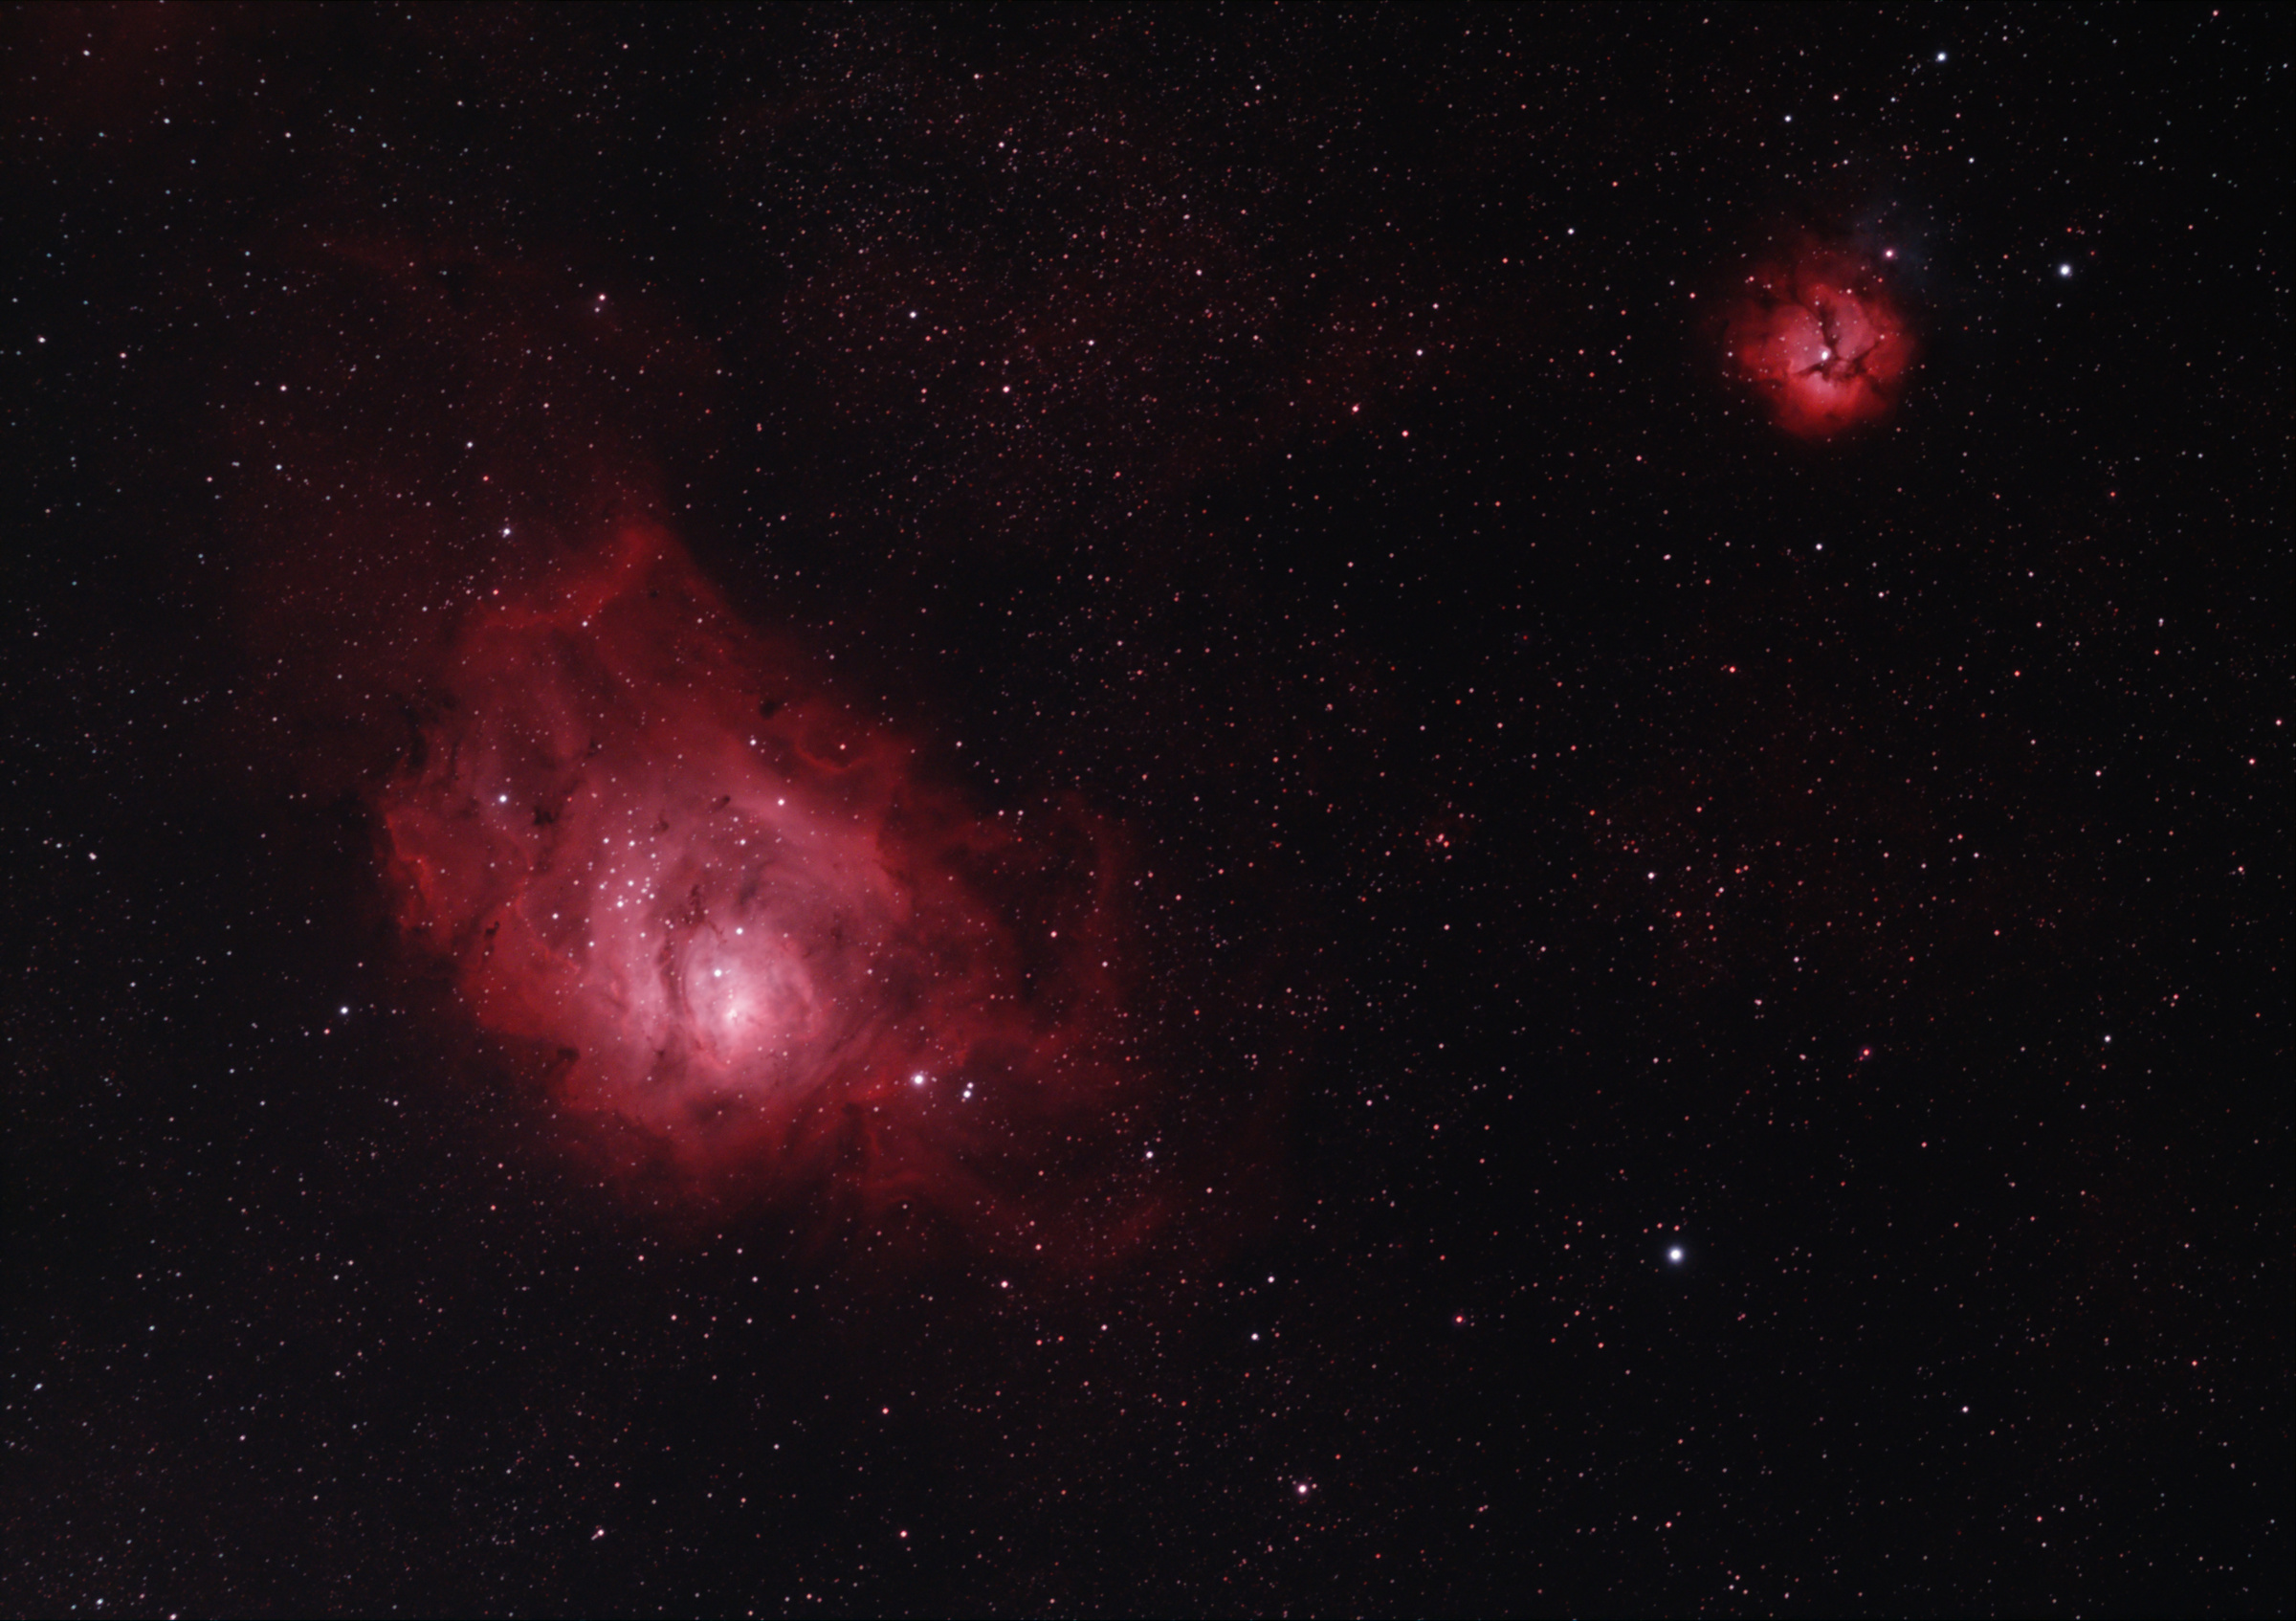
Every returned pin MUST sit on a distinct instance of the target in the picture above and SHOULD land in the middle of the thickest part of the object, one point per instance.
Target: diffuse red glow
(751, 947)
(1821, 339)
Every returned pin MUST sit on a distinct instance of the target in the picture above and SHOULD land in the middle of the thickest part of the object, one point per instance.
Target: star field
(1415, 961)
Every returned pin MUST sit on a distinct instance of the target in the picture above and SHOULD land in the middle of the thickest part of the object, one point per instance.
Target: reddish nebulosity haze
(755, 953)
(1821, 339)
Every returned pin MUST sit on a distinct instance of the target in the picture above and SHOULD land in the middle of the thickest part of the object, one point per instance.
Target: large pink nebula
(748, 945)
(1822, 340)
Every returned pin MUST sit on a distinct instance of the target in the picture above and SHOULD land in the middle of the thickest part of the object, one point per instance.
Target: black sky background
(1593, 821)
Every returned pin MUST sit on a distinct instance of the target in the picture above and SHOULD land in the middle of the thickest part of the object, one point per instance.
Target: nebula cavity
(742, 940)
(1821, 340)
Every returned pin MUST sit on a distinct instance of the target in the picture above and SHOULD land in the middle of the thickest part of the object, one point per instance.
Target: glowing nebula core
(749, 947)
(1821, 339)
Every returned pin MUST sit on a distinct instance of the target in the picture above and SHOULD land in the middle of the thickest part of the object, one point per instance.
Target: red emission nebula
(752, 950)
(1820, 339)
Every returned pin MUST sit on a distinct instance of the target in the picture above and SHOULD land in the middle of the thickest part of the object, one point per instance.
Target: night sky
(1145, 810)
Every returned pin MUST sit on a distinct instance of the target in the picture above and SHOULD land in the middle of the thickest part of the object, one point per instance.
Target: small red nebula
(752, 949)
(1820, 336)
